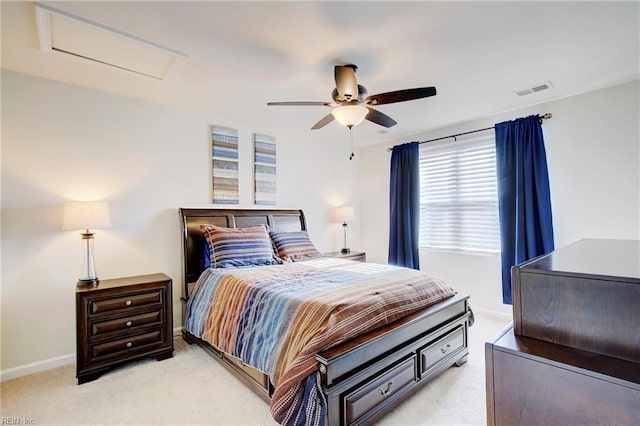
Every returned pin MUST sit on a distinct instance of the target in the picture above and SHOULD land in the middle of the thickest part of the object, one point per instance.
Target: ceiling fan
(349, 96)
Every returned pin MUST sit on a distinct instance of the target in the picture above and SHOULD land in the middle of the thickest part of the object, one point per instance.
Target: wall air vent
(534, 89)
(63, 33)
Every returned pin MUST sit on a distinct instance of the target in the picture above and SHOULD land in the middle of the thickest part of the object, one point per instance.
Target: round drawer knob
(128, 302)
(128, 323)
(129, 344)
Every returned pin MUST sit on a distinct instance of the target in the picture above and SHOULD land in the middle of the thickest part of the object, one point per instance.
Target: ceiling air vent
(63, 33)
(534, 89)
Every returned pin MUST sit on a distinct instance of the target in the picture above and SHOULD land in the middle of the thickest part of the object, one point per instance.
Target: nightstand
(359, 256)
(121, 320)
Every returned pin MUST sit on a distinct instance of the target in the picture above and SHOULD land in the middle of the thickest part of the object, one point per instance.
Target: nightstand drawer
(126, 323)
(126, 344)
(99, 306)
(441, 349)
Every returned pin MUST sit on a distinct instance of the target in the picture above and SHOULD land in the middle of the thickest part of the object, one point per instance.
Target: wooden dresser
(120, 320)
(572, 355)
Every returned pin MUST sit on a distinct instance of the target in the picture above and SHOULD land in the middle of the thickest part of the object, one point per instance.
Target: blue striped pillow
(293, 246)
(238, 246)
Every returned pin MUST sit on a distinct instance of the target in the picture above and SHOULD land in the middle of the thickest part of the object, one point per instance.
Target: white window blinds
(459, 195)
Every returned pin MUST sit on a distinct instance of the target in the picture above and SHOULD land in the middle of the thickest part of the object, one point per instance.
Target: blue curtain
(526, 227)
(404, 206)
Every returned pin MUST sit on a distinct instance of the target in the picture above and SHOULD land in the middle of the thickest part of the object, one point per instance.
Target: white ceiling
(242, 55)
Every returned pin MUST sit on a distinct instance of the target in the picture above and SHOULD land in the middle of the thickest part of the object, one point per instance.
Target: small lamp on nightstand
(344, 214)
(86, 216)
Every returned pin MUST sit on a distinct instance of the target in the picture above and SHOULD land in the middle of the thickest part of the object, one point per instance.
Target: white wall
(62, 142)
(593, 155)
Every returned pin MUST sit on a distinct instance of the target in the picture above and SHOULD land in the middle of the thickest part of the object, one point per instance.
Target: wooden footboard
(364, 378)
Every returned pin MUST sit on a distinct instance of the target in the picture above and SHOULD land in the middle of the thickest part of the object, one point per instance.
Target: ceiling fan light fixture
(350, 115)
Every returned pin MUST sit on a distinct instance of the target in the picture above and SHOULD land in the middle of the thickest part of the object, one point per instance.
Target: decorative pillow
(238, 246)
(206, 254)
(293, 246)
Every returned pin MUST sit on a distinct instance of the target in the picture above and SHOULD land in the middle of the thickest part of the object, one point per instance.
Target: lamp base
(345, 251)
(87, 282)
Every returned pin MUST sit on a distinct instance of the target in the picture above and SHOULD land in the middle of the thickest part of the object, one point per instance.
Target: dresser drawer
(368, 395)
(441, 349)
(126, 323)
(129, 343)
(99, 306)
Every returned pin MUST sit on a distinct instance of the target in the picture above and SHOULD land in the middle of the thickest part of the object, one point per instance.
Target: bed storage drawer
(370, 394)
(441, 349)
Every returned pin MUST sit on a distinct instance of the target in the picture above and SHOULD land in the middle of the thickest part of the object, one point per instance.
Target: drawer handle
(128, 324)
(384, 392)
(446, 349)
(128, 302)
(129, 344)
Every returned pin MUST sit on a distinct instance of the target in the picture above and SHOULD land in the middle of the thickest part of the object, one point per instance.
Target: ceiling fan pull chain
(351, 142)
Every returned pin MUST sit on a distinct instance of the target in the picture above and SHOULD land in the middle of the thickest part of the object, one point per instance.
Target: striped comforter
(277, 318)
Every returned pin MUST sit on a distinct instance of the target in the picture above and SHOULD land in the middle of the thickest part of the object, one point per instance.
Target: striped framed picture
(264, 149)
(224, 144)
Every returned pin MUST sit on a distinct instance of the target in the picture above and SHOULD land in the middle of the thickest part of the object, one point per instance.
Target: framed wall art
(264, 149)
(224, 143)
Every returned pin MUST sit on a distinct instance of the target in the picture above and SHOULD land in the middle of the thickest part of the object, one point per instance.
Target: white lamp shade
(350, 115)
(86, 215)
(343, 214)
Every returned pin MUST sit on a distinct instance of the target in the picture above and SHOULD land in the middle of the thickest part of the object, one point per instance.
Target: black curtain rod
(545, 116)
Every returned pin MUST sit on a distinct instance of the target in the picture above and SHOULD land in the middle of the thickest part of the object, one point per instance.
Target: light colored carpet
(191, 388)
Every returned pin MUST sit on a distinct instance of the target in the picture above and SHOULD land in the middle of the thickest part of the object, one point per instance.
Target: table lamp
(344, 214)
(86, 216)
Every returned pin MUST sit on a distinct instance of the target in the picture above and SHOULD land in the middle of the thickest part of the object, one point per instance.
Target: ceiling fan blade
(400, 96)
(380, 118)
(323, 122)
(301, 104)
(346, 84)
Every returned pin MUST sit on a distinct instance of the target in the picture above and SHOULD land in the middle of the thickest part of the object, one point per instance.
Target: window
(459, 195)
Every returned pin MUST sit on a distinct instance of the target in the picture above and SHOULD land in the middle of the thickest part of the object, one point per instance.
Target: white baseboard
(36, 367)
(47, 364)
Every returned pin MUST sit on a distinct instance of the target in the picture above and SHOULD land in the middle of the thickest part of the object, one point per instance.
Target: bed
(358, 379)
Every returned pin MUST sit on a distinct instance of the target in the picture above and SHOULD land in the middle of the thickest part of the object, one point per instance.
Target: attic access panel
(68, 34)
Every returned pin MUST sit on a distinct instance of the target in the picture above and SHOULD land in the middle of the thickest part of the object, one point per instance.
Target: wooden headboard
(193, 240)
